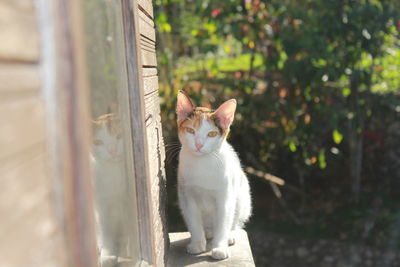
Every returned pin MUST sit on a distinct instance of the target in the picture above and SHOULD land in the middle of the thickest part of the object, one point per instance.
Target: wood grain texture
(150, 84)
(157, 174)
(143, 16)
(19, 32)
(148, 58)
(18, 78)
(28, 224)
(147, 72)
(147, 42)
(23, 125)
(29, 230)
(147, 7)
(147, 130)
(148, 47)
(139, 140)
(240, 253)
(147, 39)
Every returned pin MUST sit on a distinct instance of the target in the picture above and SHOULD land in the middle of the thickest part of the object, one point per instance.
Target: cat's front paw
(196, 247)
(231, 241)
(220, 253)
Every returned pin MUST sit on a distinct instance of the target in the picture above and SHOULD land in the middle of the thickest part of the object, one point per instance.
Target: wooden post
(146, 129)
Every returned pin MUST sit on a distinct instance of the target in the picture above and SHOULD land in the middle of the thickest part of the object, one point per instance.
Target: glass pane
(115, 201)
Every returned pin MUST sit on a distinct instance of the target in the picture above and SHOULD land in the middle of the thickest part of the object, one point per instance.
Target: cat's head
(202, 130)
(107, 138)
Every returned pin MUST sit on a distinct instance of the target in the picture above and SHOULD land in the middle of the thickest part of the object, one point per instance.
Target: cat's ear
(226, 112)
(184, 106)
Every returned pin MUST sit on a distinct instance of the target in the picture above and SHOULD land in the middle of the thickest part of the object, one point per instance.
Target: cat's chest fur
(210, 172)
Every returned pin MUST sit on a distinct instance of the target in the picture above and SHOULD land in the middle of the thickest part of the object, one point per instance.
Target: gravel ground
(277, 251)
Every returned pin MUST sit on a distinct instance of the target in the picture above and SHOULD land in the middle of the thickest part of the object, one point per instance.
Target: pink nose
(198, 146)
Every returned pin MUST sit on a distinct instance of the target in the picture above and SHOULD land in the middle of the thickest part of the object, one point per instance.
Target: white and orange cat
(110, 189)
(213, 191)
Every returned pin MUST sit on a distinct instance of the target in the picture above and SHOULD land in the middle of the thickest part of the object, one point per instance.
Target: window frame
(138, 131)
(66, 95)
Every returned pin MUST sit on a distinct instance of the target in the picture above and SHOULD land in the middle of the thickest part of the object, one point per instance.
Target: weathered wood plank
(147, 47)
(148, 241)
(28, 224)
(148, 58)
(147, 7)
(142, 14)
(157, 173)
(22, 126)
(151, 99)
(152, 109)
(147, 42)
(146, 29)
(150, 84)
(154, 156)
(19, 33)
(24, 5)
(18, 80)
(147, 72)
(25, 179)
(240, 252)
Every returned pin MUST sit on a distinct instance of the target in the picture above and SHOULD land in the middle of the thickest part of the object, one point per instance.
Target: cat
(109, 185)
(213, 191)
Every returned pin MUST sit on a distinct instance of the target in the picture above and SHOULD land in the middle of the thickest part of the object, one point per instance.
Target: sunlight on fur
(213, 191)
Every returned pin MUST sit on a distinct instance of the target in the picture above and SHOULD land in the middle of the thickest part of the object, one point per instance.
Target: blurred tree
(316, 80)
(310, 50)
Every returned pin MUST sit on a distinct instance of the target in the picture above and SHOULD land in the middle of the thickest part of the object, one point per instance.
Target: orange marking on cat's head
(196, 118)
(110, 121)
(191, 116)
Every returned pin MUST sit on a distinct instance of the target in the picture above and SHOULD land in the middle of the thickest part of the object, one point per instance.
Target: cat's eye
(189, 130)
(98, 142)
(212, 134)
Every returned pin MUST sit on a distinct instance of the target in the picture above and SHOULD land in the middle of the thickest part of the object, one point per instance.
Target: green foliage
(337, 136)
(307, 52)
(306, 75)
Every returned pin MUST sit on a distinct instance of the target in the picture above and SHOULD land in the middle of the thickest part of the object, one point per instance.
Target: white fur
(110, 196)
(213, 191)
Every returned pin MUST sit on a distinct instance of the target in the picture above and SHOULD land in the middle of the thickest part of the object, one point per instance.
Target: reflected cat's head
(107, 137)
(202, 130)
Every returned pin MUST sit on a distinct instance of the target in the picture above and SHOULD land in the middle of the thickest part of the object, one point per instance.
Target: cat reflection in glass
(213, 191)
(110, 189)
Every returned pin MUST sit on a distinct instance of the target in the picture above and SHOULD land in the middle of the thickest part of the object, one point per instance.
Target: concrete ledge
(240, 253)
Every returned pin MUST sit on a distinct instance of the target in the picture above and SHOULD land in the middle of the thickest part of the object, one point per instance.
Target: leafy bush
(317, 84)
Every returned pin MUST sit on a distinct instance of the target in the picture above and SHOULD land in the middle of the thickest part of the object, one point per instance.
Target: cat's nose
(198, 146)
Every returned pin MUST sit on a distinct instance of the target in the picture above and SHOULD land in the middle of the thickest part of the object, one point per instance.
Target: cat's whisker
(171, 149)
(172, 144)
(172, 154)
(171, 157)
